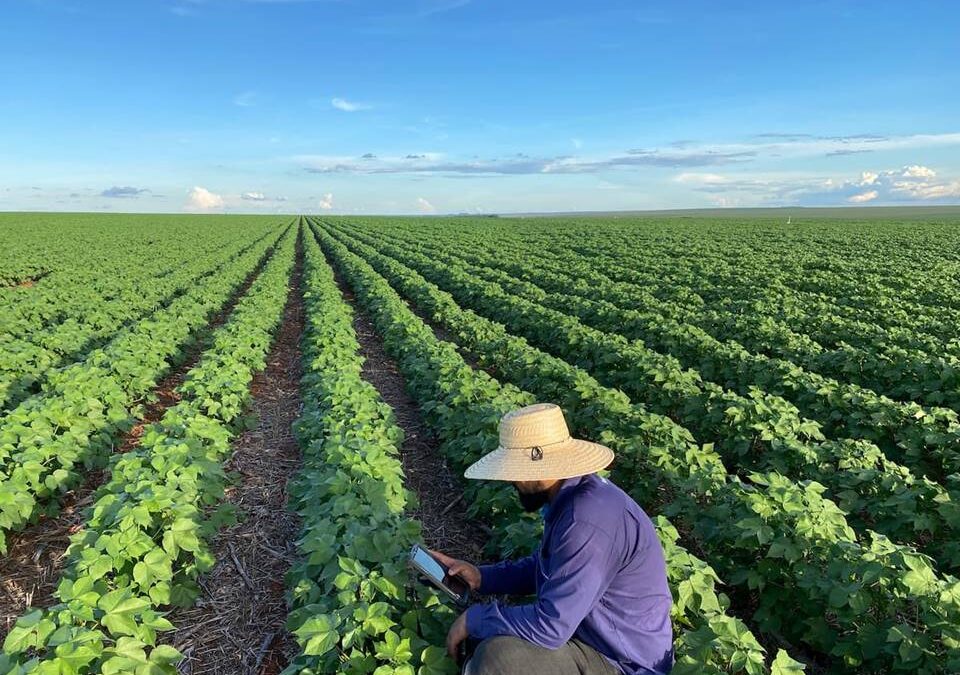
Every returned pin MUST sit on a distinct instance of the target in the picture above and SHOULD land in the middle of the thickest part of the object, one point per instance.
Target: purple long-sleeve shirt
(599, 576)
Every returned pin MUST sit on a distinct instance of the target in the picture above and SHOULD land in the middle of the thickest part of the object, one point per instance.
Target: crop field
(220, 435)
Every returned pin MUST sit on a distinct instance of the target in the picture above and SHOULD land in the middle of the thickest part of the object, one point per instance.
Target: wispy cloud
(430, 7)
(254, 199)
(808, 145)
(781, 136)
(120, 192)
(686, 156)
(326, 203)
(844, 152)
(849, 138)
(423, 206)
(349, 106)
(519, 164)
(911, 183)
(245, 99)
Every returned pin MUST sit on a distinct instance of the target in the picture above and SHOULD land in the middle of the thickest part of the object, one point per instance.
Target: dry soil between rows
(237, 625)
(30, 571)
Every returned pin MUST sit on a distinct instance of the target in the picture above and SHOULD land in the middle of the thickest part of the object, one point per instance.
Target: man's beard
(532, 501)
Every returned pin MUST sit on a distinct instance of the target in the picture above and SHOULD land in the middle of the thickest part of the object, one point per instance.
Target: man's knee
(501, 655)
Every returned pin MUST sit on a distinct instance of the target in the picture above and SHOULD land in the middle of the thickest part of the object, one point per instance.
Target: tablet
(436, 573)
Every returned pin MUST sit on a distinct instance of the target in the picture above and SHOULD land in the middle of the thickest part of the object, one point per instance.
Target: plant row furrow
(758, 432)
(864, 604)
(353, 608)
(145, 538)
(24, 363)
(464, 406)
(48, 441)
(925, 439)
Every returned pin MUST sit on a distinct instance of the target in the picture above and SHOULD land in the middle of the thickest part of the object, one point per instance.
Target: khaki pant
(512, 656)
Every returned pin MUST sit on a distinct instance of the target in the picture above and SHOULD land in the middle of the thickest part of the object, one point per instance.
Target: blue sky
(437, 106)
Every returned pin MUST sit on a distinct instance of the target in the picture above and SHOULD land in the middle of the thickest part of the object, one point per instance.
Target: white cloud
(917, 171)
(781, 146)
(911, 183)
(803, 145)
(863, 197)
(245, 99)
(687, 155)
(423, 206)
(925, 190)
(519, 163)
(201, 199)
(327, 202)
(348, 106)
(725, 202)
(696, 178)
(253, 196)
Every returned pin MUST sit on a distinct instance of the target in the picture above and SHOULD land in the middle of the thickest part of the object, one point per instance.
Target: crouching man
(602, 602)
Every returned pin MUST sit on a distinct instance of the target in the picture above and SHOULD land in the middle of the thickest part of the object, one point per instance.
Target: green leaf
(318, 634)
(784, 665)
(155, 566)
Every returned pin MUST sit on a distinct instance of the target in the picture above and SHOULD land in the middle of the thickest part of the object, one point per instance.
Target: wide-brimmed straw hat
(535, 444)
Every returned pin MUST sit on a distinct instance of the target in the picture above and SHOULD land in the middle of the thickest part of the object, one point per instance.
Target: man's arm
(510, 577)
(577, 574)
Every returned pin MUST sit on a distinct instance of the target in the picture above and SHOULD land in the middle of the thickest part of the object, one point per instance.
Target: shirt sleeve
(510, 577)
(576, 575)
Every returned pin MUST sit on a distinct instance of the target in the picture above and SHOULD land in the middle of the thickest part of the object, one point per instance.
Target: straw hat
(535, 444)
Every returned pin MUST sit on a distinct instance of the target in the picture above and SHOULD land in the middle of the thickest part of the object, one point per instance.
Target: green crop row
(48, 441)
(754, 433)
(862, 316)
(868, 604)
(88, 262)
(24, 363)
(144, 540)
(464, 406)
(925, 439)
(353, 607)
(845, 270)
(902, 372)
(869, 323)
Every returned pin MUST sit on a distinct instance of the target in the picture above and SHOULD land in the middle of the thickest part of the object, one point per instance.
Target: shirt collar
(565, 489)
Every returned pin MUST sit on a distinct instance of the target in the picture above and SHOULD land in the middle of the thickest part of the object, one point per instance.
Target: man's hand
(459, 568)
(457, 634)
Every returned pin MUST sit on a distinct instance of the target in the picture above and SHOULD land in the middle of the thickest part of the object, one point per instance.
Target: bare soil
(237, 625)
(30, 572)
(440, 509)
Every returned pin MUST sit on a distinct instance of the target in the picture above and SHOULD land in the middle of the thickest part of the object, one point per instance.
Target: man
(602, 602)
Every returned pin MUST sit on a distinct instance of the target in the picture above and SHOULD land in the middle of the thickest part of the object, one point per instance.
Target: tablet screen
(430, 565)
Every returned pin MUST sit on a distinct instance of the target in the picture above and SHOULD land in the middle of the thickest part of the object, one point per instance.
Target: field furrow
(49, 440)
(925, 439)
(147, 534)
(754, 435)
(464, 406)
(221, 435)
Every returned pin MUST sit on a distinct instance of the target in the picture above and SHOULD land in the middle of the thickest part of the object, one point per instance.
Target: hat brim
(569, 459)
